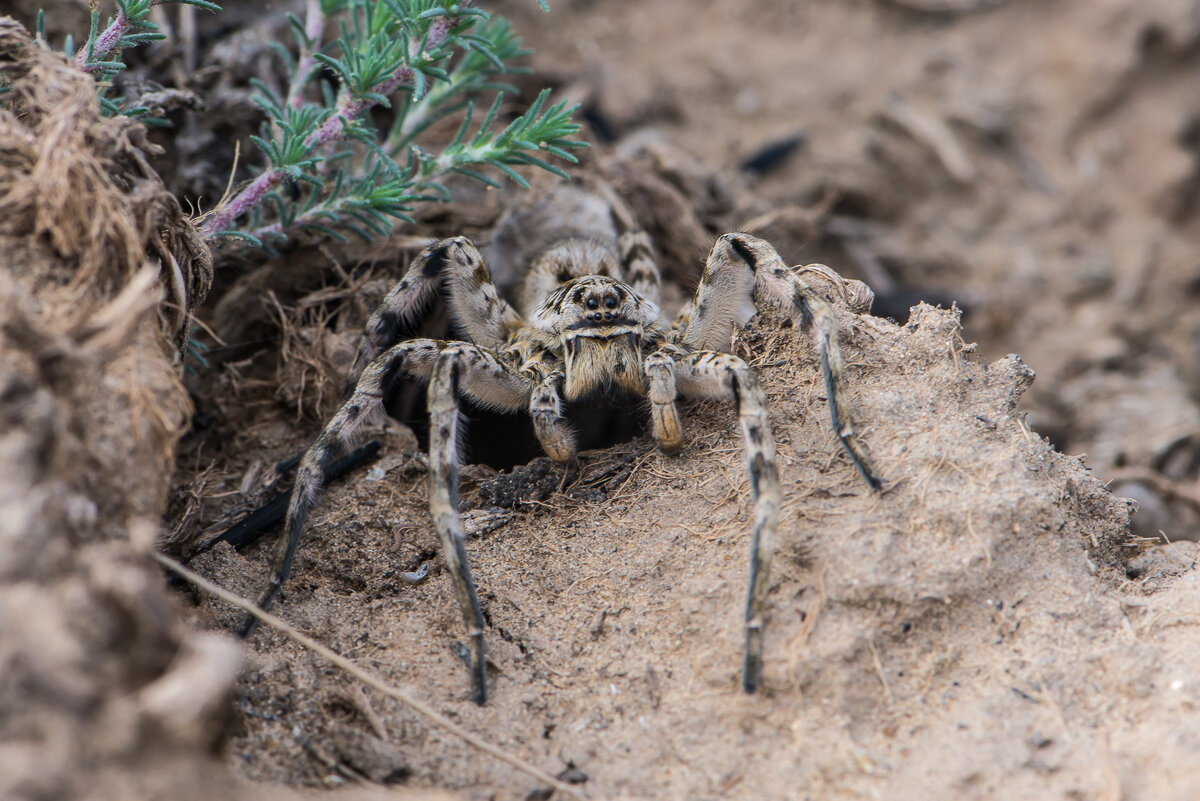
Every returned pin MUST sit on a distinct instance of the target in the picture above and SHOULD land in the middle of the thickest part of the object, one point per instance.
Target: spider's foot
(859, 458)
(249, 624)
(473, 659)
(869, 476)
(752, 669)
(478, 670)
(560, 447)
(668, 430)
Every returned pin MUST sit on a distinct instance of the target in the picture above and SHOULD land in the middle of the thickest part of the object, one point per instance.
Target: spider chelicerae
(589, 326)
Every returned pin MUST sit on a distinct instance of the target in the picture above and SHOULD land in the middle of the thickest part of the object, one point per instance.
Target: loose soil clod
(971, 579)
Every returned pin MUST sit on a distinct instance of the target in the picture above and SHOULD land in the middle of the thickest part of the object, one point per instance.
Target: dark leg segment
(817, 314)
(478, 308)
(399, 309)
(415, 356)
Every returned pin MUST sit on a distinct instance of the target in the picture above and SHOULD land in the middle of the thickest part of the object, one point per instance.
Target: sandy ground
(1034, 162)
(936, 639)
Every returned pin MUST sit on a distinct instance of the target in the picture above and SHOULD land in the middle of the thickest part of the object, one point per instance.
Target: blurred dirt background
(993, 625)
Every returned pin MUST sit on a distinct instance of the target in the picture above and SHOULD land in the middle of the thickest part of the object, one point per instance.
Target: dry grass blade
(937, 135)
(369, 679)
(1157, 481)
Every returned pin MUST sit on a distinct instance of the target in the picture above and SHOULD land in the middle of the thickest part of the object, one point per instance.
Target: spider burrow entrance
(504, 441)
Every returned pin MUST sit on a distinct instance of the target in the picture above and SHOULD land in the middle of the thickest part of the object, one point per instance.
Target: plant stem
(245, 200)
(314, 27)
(350, 110)
(386, 50)
(329, 132)
(104, 45)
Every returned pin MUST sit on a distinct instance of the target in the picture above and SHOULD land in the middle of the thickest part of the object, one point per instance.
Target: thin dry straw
(367, 678)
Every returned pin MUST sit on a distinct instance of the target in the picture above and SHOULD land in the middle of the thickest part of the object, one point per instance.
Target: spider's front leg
(443, 506)
(664, 417)
(744, 272)
(414, 356)
(465, 370)
(708, 374)
(549, 422)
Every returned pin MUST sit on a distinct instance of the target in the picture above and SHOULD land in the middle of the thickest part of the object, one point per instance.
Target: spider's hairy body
(602, 326)
(588, 329)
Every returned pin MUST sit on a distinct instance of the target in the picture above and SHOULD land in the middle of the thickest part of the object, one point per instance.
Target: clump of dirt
(100, 678)
(968, 609)
(1035, 163)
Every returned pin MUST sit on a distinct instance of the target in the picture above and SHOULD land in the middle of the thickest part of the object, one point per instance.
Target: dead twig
(369, 679)
(945, 6)
(810, 219)
(987, 552)
(362, 702)
(887, 688)
(934, 133)
(818, 603)
(321, 755)
(1159, 482)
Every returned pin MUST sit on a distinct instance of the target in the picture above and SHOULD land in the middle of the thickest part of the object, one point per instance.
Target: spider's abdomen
(564, 260)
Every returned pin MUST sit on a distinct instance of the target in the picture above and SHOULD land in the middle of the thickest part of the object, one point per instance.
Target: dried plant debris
(62, 162)
(101, 679)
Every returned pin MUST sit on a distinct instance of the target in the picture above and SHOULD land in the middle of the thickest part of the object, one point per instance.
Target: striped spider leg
(742, 274)
(486, 369)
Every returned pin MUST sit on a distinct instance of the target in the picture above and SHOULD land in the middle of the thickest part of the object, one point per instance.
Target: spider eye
(593, 303)
(611, 302)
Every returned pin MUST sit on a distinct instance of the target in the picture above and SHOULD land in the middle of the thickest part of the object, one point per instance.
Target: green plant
(331, 171)
(101, 54)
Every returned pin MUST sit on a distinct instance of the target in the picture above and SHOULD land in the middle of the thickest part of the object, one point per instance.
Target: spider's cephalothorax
(601, 324)
(588, 328)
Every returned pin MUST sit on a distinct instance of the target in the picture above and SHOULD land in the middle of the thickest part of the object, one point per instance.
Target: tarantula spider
(590, 327)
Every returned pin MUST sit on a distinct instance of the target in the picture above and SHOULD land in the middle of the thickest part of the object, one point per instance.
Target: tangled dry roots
(80, 184)
(98, 679)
